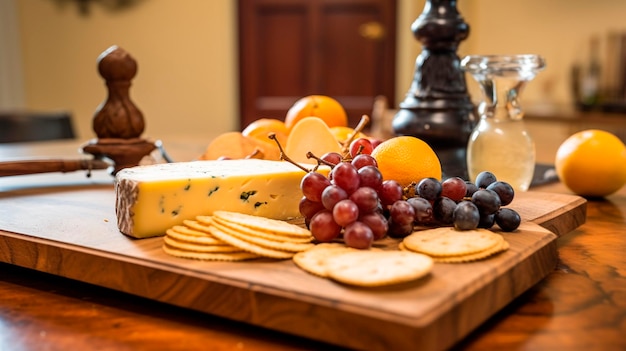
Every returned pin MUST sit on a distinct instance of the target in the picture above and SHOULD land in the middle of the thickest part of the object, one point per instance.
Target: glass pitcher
(500, 142)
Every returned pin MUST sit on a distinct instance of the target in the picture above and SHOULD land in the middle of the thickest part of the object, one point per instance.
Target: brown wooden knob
(117, 116)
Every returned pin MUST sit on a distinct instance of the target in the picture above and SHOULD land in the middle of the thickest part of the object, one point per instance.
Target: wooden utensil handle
(12, 168)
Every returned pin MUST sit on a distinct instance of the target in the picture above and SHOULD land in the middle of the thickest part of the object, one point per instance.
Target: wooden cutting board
(68, 228)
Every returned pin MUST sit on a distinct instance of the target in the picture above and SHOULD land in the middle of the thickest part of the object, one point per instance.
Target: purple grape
(443, 209)
(429, 188)
(487, 201)
(423, 210)
(484, 178)
(398, 230)
(487, 221)
(471, 188)
(504, 190)
(508, 219)
(465, 216)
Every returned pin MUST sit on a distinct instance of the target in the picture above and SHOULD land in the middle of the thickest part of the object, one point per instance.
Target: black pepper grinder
(437, 107)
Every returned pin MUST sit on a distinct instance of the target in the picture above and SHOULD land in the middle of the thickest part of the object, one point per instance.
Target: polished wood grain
(580, 305)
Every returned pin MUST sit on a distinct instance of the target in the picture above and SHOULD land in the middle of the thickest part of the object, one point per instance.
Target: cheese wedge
(150, 199)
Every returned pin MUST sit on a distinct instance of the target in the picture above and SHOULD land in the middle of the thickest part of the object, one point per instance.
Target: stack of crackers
(231, 236)
(448, 245)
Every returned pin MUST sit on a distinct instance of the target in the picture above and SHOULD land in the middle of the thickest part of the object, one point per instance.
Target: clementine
(261, 128)
(324, 107)
(407, 159)
(592, 163)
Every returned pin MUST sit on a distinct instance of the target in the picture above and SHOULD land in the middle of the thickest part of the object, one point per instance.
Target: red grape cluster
(354, 202)
(351, 201)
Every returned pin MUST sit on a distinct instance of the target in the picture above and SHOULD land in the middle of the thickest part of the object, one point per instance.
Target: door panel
(293, 48)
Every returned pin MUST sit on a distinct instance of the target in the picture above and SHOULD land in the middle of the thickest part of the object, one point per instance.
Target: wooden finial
(117, 116)
(117, 122)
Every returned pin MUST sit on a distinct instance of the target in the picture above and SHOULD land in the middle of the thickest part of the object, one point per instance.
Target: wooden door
(293, 48)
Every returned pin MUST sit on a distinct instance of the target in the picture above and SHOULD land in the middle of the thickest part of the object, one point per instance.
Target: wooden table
(580, 306)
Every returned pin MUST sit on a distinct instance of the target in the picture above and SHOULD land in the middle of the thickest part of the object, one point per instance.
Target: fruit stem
(319, 160)
(365, 119)
(284, 156)
(360, 150)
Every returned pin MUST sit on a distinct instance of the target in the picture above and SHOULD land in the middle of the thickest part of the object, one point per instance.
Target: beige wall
(186, 50)
(559, 30)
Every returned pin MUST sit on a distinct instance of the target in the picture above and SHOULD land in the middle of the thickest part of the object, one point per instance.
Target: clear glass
(500, 142)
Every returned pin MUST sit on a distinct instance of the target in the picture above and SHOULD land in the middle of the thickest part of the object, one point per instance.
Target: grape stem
(360, 150)
(319, 160)
(365, 119)
(283, 155)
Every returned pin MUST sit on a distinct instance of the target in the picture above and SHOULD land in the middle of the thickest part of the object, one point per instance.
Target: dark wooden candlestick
(117, 122)
(437, 107)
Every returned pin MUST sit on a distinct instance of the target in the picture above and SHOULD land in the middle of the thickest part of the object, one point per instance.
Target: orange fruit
(322, 106)
(592, 163)
(261, 128)
(407, 159)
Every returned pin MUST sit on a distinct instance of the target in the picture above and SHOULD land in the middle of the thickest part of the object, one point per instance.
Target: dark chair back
(16, 127)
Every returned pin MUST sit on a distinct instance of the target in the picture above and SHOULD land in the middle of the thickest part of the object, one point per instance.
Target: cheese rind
(150, 199)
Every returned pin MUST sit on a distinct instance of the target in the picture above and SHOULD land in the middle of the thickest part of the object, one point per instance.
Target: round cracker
(314, 260)
(249, 247)
(250, 237)
(263, 223)
(378, 268)
(197, 239)
(197, 226)
(447, 241)
(188, 246)
(504, 245)
(258, 233)
(209, 256)
(189, 230)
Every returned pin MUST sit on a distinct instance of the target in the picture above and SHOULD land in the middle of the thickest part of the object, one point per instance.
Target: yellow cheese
(151, 199)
